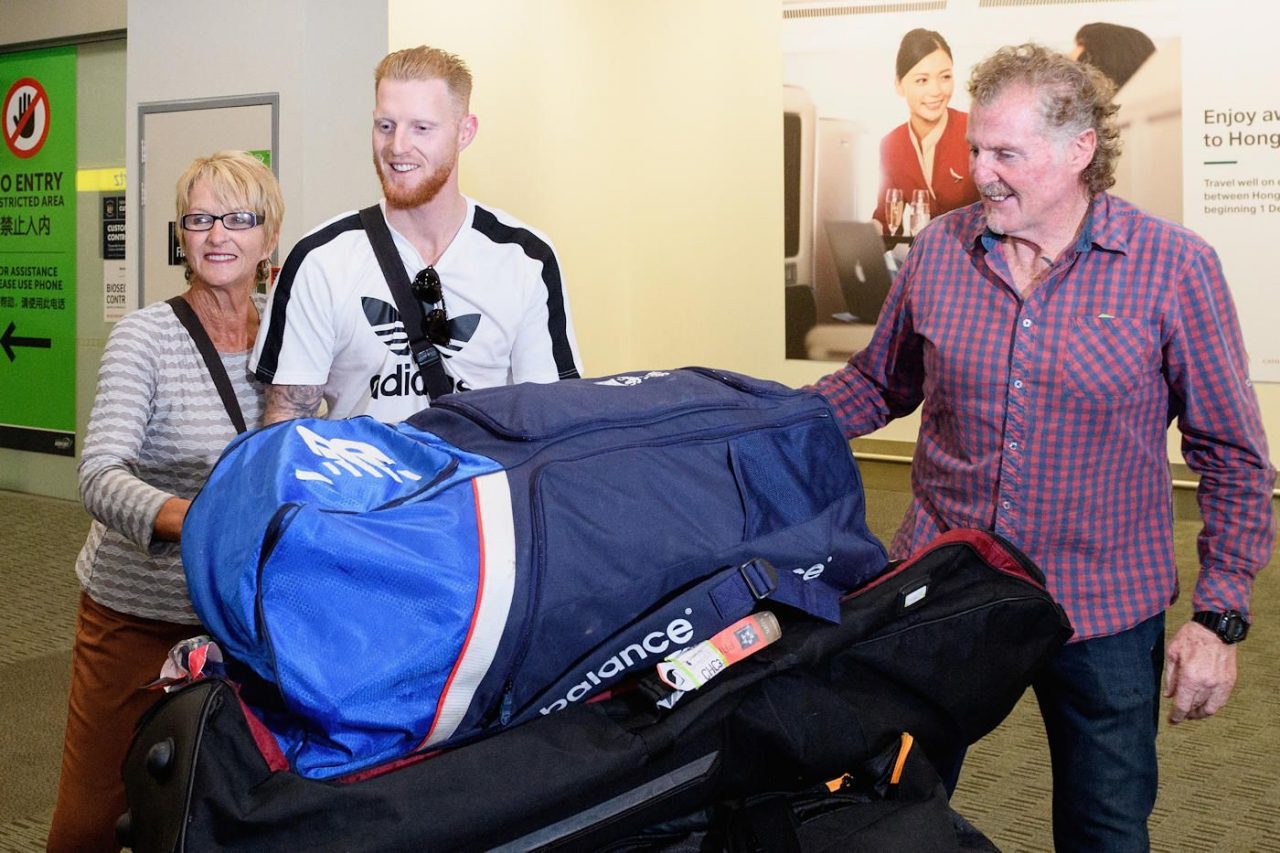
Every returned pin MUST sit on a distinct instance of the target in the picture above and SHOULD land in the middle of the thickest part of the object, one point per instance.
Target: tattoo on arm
(291, 401)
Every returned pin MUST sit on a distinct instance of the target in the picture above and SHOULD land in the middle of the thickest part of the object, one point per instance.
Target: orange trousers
(113, 656)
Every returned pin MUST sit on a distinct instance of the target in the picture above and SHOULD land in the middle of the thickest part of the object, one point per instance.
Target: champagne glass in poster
(896, 81)
(919, 208)
(892, 210)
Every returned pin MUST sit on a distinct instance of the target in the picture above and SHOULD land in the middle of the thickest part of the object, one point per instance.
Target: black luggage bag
(941, 646)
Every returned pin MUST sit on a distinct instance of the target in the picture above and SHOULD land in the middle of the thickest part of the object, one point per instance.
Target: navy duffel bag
(510, 552)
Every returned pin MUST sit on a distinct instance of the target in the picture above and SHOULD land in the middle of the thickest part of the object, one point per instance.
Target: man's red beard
(417, 195)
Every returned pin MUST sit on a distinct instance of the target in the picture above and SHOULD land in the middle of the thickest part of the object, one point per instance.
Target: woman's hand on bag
(168, 524)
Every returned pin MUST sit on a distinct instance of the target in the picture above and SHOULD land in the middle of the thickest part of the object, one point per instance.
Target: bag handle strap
(212, 360)
(723, 597)
(425, 355)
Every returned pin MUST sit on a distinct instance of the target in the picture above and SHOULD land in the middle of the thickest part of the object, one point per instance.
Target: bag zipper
(280, 521)
(461, 407)
(759, 390)
(492, 426)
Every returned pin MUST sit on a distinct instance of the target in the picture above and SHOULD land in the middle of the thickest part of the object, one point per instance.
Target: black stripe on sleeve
(269, 361)
(537, 249)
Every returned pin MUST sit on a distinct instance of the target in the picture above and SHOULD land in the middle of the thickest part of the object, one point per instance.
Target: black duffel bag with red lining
(940, 646)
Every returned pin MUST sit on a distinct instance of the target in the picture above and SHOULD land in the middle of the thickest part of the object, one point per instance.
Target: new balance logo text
(811, 573)
(678, 634)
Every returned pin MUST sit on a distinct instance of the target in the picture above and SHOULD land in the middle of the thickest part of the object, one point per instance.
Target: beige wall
(643, 137)
(45, 20)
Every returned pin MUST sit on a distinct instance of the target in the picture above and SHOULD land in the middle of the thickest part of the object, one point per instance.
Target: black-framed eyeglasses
(236, 220)
(427, 288)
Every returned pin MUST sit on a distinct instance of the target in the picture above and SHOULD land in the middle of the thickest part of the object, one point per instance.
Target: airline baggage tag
(188, 661)
(689, 669)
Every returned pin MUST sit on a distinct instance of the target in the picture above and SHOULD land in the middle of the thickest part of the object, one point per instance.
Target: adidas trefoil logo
(385, 321)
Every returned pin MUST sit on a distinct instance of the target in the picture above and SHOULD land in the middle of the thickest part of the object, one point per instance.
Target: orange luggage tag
(689, 669)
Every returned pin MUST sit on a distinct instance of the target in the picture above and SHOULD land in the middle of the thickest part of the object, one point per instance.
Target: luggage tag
(689, 669)
(188, 661)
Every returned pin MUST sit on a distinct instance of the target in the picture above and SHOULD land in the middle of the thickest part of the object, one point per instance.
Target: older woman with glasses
(173, 388)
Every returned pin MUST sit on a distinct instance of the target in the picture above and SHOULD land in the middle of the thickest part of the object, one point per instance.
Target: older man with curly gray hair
(1050, 333)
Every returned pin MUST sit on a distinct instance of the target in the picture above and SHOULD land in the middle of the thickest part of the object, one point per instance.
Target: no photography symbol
(26, 117)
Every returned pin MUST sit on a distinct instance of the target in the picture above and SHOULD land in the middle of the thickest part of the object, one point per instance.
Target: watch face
(1230, 626)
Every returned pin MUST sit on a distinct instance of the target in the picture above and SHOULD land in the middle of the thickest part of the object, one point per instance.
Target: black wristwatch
(1229, 625)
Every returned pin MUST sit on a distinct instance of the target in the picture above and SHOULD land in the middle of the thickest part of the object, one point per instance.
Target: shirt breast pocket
(1106, 357)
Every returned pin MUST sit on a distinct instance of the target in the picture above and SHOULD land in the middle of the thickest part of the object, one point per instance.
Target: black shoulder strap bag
(425, 355)
(212, 360)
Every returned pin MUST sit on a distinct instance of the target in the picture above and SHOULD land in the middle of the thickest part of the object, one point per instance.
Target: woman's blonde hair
(238, 180)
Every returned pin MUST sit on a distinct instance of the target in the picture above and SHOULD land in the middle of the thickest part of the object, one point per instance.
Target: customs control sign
(38, 251)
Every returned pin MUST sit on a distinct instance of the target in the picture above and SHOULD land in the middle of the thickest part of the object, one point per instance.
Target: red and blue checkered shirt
(1044, 416)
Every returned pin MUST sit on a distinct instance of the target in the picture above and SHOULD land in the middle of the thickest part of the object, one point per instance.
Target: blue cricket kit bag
(510, 552)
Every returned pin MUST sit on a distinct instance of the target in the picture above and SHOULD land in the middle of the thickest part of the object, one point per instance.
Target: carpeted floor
(39, 540)
(1220, 779)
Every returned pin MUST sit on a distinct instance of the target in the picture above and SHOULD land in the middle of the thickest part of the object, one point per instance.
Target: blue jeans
(1100, 700)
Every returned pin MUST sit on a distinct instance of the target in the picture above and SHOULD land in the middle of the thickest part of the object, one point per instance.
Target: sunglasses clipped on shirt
(236, 220)
(426, 288)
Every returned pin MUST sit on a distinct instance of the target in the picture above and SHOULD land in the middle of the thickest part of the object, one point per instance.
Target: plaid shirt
(1045, 415)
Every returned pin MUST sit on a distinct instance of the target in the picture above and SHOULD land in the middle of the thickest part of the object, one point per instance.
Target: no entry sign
(26, 117)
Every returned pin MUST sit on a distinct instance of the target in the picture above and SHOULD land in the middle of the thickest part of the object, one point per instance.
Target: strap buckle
(760, 577)
(427, 356)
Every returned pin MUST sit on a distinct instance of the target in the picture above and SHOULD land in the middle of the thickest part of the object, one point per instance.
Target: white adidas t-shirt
(331, 319)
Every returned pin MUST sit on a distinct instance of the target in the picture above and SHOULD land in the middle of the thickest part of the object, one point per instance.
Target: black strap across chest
(425, 355)
(212, 360)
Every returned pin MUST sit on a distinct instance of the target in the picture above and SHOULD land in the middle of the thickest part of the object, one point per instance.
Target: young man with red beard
(489, 286)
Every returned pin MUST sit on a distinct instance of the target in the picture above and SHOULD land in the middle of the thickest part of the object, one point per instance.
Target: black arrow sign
(9, 340)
